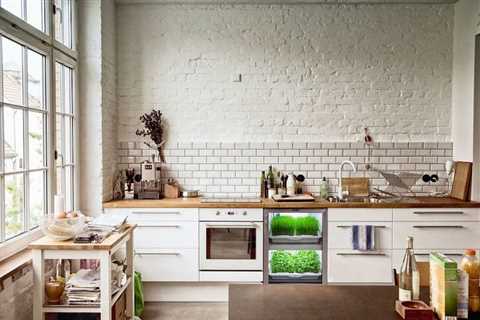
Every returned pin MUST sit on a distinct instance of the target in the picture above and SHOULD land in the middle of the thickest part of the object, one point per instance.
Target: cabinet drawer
(167, 265)
(360, 214)
(168, 234)
(436, 214)
(431, 235)
(148, 216)
(340, 234)
(423, 255)
(359, 267)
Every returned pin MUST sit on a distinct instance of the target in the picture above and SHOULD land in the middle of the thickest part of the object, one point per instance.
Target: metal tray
(295, 239)
(284, 276)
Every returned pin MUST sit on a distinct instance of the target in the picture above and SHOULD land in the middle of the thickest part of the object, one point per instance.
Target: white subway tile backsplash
(233, 169)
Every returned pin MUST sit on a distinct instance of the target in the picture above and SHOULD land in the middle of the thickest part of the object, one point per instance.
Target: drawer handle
(157, 254)
(366, 253)
(347, 226)
(438, 212)
(155, 212)
(447, 254)
(253, 224)
(439, 227)
(161, 226)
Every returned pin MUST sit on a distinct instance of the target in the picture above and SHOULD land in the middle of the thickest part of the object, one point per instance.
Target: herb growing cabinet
(294, 245)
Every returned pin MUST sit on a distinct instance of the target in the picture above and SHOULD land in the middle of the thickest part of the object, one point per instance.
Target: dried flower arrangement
(154, 129)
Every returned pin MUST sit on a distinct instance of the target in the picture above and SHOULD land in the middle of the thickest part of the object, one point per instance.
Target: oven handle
(252, 224)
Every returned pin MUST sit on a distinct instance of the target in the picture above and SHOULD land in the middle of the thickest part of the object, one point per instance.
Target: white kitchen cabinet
(436, 214)
(359, 214)
(348, 266)
(166, 243)
(167, 234)
(340, 234)
(437, 235)
(170, 265)
(423, 255)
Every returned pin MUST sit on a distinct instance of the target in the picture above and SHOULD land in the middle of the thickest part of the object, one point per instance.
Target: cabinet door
(347, 266)
(167, 234)
(423, 255)
(167, 265)
(436, 214)
(432, 235)
(340, 234)
(359, 214)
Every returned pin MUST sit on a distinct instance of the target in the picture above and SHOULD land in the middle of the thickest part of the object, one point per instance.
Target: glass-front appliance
(295, 246)
(229, 244)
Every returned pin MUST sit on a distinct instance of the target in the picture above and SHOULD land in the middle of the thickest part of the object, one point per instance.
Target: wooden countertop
(413, 202)
(109, 243)
(312, 302)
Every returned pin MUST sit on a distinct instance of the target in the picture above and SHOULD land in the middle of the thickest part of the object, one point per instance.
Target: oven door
(233, 246)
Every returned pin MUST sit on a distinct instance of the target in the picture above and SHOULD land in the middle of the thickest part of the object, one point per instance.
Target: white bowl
(61, 229)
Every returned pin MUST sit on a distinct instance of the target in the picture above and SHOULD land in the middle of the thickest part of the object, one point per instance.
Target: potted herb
(154, 128)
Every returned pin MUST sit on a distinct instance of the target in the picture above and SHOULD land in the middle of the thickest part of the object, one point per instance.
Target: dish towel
(363, 237)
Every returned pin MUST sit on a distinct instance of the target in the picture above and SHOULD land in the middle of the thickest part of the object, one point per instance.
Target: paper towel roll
(59, 204)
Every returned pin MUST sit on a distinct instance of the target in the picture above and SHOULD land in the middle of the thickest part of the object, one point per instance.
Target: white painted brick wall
(309, 72)
(109, 98)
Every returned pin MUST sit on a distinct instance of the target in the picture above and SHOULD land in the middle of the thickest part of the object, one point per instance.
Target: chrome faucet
(340, 174)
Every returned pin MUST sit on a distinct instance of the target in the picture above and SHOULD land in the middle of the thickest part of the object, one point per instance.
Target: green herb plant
(288, 225)
(303, 261)
(283, 225)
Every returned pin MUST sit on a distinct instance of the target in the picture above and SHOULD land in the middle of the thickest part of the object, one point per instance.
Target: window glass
(13, 138)
(13, 6)
(31, 11)
(14, 201)
(37, 197)
(63, 22)
(12, 57)
(36, 140)
(36, 85)
(36, 13)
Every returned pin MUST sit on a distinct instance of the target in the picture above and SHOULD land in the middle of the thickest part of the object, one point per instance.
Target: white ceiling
(283, 1)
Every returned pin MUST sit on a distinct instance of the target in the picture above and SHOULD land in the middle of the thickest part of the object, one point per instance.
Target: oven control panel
(231, 214)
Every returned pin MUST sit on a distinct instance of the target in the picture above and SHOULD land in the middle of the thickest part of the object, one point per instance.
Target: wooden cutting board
(356, 186)
(462, 181)
(296, 198)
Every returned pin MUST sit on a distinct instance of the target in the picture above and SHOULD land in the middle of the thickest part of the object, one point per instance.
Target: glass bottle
(471, 265)
(409, 278)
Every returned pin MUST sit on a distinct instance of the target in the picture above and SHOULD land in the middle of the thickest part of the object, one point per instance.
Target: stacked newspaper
(83, 287)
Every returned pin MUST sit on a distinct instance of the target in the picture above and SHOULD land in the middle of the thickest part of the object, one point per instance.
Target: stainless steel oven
(231, 240)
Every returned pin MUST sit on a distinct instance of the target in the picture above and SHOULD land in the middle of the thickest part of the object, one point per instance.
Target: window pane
(36, 140)
(58, 87)
(63, 22)
(12, 72)
(36, 76)
(59, 140)
(68, 140)
(68, 188)
(35, 13)
(13, 138)
(13, 6)
(37, 197)
(68, 89)
(14, 195)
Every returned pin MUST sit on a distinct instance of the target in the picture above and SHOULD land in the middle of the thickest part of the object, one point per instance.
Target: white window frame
(22, 32)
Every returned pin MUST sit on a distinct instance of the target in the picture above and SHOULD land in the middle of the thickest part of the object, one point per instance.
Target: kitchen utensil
(294, 198)
(189, 193)
(356, 186)
(462, 181)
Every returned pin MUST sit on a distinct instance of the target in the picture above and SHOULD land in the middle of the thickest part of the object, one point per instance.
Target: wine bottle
(262, 185)
(409, 279)
(270, 177)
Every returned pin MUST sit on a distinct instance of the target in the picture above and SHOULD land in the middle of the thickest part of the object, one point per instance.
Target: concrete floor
(185, 311)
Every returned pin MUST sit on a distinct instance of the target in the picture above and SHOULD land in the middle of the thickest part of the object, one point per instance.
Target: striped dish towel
(363, 237)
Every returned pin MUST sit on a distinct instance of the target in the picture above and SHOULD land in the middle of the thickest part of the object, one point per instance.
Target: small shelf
(117, 295)
(300, 239)
(86, 308)
(296, 247)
